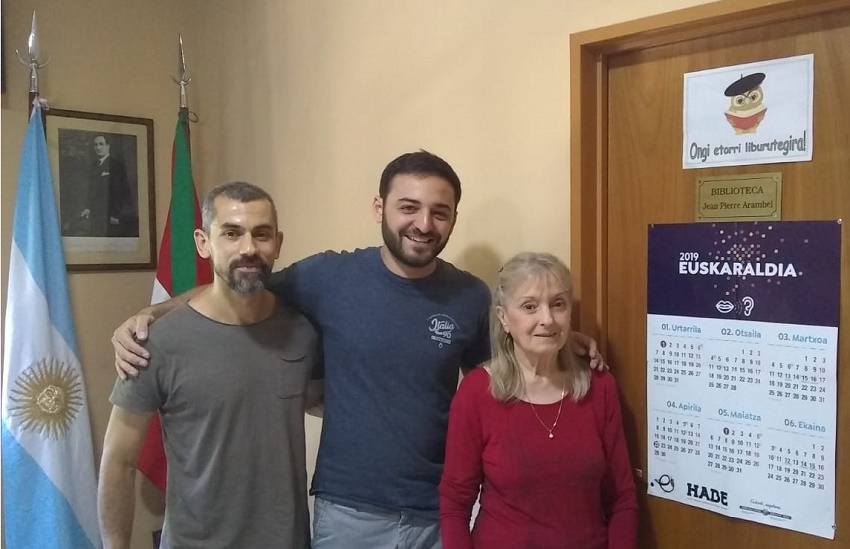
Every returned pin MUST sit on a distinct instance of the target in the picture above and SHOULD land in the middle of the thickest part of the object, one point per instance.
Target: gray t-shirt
(232, 403)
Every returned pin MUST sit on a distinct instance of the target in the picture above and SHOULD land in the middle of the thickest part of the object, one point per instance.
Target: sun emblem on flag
(47, 397)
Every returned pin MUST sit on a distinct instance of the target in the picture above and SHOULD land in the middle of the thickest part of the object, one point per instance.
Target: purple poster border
(786, 272)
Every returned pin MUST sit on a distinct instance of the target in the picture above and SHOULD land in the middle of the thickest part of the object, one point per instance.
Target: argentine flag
(49, 492)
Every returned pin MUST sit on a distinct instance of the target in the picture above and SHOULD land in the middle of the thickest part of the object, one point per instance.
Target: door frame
(590, 52)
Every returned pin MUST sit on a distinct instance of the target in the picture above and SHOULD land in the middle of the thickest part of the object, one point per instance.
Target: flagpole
(33, 62)
(183, 79)
(179, 267)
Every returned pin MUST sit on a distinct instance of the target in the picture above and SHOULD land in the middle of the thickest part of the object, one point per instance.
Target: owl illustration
(746, 108)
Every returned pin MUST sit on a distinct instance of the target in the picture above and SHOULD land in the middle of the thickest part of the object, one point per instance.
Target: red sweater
(574, 491)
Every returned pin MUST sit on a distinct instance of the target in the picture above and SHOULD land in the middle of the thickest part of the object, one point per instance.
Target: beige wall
(311, 98)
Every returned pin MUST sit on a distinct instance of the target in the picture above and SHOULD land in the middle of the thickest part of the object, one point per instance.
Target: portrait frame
(103, 168)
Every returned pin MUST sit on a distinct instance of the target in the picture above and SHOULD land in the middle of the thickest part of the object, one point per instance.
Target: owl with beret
(746, 107)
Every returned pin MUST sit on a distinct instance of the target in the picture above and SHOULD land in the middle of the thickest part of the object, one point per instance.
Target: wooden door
(629, 175)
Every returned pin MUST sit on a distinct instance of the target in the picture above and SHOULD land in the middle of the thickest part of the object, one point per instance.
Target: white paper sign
(757, 113)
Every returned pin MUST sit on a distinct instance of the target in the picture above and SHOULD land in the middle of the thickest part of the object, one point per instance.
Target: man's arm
(129, 355)
(116, 494)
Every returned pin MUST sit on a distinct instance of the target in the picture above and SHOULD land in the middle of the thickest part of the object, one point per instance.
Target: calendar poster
(742, 331)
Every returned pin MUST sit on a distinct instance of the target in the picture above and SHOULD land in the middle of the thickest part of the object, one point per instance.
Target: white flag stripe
(159, 293)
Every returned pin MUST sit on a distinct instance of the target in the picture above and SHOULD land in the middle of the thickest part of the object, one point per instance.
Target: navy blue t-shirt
(392, 351)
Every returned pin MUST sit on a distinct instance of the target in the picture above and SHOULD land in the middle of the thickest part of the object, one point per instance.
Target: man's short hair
(421, 163)
(235, 190)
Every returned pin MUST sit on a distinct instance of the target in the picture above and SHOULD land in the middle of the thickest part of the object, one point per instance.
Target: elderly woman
(536, 431)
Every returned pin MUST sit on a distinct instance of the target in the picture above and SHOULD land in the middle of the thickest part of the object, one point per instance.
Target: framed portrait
(104, 170)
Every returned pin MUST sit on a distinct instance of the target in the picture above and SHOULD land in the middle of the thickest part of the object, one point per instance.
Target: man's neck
(406, 271)
(222, 304)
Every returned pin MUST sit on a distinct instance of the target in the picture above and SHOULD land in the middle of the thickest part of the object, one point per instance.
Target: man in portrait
(109, 208)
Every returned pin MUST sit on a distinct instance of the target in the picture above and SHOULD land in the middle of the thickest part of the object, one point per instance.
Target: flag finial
(183, 77)
(33, 53)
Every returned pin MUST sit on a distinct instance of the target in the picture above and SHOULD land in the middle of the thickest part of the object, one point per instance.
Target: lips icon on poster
(725, 306)
(745, 306)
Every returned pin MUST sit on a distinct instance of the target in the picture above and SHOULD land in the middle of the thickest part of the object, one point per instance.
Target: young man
(228, 372)
(397, 325)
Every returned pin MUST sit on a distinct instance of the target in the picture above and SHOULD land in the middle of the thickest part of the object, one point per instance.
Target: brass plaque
(750, 197)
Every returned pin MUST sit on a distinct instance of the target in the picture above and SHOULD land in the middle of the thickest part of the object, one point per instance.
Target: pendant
(551, 435)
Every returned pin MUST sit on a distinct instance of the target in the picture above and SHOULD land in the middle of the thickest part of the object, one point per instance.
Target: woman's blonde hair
(506, 381)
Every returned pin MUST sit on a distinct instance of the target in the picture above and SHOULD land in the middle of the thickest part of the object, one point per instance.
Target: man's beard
(246, 283)
(393, 242)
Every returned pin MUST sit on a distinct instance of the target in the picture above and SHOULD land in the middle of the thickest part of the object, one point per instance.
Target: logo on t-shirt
(441, 327)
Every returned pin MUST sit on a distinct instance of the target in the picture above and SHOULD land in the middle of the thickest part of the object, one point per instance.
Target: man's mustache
(419, 234)
(252, 261)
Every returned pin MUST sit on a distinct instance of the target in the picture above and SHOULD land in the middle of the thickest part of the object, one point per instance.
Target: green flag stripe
(183, 270)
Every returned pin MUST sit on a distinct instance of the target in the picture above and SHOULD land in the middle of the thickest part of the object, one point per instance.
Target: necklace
(557, 416)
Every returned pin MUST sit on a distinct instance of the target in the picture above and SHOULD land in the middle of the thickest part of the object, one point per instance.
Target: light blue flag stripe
(36, 230)
(33, 527)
